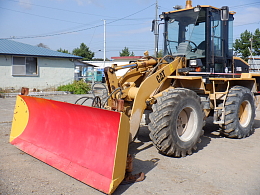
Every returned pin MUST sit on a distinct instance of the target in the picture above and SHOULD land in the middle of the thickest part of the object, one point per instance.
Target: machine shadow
(139, 166)
(210, 131)
(141, 143)
(256, 124)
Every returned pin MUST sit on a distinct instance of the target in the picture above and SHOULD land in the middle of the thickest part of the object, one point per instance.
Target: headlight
(193, 62)
(161, 16)
(197, 8)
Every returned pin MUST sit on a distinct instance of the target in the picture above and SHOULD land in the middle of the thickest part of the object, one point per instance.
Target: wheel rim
(245, 113)
(187, 122)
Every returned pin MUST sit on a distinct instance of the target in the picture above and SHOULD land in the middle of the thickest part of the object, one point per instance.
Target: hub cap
(187, 122)
(245, 113)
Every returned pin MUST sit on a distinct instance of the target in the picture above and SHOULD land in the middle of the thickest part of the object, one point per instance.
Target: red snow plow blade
(87, 143)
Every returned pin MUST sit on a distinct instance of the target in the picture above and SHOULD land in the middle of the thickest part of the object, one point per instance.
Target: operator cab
(202, 34)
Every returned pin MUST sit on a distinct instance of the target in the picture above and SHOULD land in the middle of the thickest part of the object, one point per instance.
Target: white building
(23, 65)
(254, 63)
(115, 60)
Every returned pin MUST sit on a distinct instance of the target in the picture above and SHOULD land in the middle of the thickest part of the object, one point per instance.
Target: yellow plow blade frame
(89, 144)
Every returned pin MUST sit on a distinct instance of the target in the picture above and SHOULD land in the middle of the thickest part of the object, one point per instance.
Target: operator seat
(183, 49)
(201, 48)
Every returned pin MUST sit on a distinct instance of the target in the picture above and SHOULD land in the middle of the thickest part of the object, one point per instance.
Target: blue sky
(67, 23)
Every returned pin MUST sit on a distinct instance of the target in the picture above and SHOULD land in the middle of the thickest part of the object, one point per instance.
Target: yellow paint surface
(172, 68)
(20, 118)
(121, 153)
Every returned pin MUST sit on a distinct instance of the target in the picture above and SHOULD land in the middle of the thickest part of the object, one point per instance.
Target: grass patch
(77, 87)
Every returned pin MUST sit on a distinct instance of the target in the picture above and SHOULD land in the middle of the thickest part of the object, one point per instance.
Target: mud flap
(89, 144)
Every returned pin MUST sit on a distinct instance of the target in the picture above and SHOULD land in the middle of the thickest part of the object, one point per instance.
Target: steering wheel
(195, 45)
(192, 50)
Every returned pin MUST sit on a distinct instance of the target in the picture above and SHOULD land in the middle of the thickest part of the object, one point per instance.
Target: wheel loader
(198, 77)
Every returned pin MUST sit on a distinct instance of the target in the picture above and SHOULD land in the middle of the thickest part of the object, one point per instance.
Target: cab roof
(184, 9)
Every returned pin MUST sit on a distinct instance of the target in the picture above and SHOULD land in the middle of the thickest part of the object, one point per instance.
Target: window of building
(24, 66)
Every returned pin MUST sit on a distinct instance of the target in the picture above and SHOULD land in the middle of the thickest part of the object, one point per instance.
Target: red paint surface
(78, 140)
(126, 57)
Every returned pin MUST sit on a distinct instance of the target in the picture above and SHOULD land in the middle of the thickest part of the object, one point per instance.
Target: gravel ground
(219, 166)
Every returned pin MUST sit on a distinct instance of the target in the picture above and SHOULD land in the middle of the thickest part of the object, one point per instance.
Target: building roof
(82, 63)
(127, 58)
(254, 57)
(9, 47)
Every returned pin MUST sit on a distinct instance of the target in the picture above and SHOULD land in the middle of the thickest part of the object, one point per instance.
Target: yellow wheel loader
(197, 77)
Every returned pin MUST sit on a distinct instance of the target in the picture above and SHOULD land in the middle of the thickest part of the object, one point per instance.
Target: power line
(235, 6)
(134, 19)
(128, 24)
(244, 5)
(84, 29)
(72, 11)
(41, 16)
(247, 24)
(66, 11)
(58, 8)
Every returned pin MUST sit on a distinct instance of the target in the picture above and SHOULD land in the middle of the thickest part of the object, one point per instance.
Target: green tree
(160, 53)
(43, 46)
(256, 42)
(84, 52)
(243, 45)
(100, 59)
(126, 52)
(63, 51)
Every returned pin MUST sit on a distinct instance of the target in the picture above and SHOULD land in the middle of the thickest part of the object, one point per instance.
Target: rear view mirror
(153, 23)
(224, 13)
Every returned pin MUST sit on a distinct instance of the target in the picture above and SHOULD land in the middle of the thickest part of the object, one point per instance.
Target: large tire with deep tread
(239, 113)
(176, 122)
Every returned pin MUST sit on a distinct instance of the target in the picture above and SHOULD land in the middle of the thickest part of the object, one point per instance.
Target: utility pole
(256, 68)
(251, 47)
(156, 34)
(104, 44)
(251, 40)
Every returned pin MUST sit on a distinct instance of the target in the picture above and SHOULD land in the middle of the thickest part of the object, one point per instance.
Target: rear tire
(176, 122)
(239, 113)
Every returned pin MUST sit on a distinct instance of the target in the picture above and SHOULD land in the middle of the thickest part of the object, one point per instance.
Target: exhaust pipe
(188, 4)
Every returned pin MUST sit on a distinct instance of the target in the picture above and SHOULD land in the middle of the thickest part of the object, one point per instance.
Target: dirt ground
(219, 166)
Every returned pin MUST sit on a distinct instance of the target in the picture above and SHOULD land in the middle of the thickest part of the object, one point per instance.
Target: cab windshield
(185, 34)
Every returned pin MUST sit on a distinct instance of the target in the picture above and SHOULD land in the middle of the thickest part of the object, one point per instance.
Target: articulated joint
(132, 92)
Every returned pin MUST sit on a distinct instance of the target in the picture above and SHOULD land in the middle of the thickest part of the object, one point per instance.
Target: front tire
(239, 113)
(176, 122)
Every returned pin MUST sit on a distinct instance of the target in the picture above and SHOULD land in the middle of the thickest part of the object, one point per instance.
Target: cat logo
(160, 76)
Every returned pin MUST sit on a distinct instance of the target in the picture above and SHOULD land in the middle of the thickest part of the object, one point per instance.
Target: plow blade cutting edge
(89, 144)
